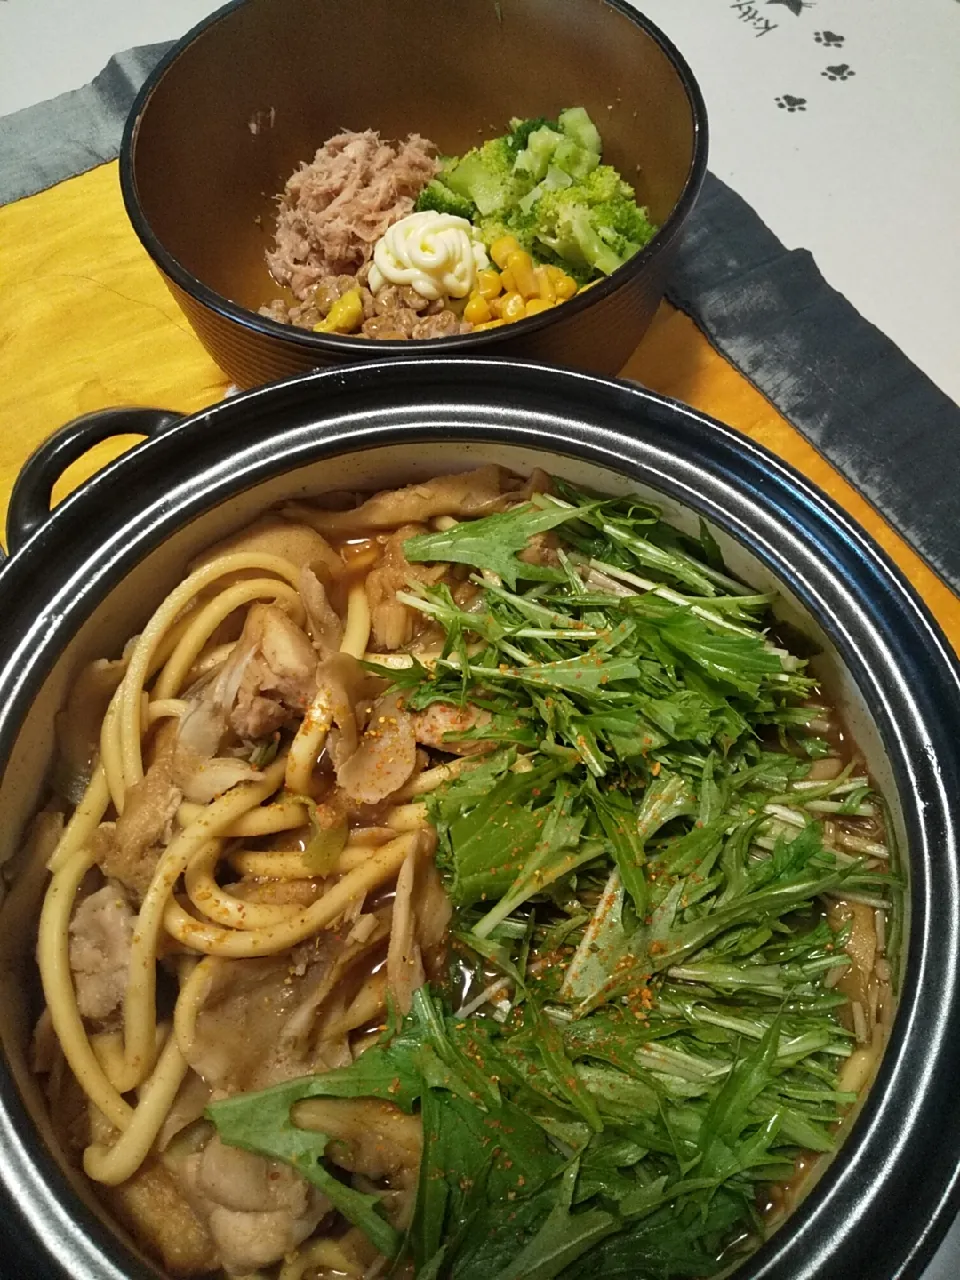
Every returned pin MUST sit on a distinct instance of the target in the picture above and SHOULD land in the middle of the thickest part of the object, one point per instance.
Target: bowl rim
(907, 1123)
(346, 346)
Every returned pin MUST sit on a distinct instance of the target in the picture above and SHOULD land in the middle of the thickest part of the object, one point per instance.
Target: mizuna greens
(644, 1019)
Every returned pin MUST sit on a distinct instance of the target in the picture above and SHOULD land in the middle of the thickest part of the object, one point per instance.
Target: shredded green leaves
(641, 1025)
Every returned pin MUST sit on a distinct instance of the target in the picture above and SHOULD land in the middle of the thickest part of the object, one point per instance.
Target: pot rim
(883, 1206)
(345, 346)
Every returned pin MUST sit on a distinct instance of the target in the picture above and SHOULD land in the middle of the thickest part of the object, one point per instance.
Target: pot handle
(33, 488)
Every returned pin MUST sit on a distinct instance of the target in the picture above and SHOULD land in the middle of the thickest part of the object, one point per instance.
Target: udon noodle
(244, 888)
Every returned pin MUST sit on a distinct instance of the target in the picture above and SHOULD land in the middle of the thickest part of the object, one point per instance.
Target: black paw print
(829, 39)
(842, 72)
(791, 103)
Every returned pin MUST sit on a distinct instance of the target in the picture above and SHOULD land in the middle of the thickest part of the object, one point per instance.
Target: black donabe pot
(880, 1210)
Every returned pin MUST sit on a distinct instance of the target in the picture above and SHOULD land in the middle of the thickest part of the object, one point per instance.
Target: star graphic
(795, 6)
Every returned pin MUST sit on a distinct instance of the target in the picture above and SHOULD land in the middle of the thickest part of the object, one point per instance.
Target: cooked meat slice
(438, 725)
(269, 677)
(408, 297)
(279, 535)
(146, 824)
(392, 623)
(386, 756)
(258, 1022)
(468, 494)
(541, 549)
(285, 666)
(249, 1183)
(237, 1044)
(248, 1241)
(100, 935)
(257, 1210)
(153, 1208)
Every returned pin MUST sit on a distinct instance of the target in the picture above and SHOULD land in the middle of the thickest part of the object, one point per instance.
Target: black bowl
(82, 580)
(234, 108)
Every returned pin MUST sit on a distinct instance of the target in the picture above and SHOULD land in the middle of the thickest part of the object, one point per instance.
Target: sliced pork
(439, 725)
(394, 625)
(270, 676)
(257, 1210)
(130, 850)
(100, 935)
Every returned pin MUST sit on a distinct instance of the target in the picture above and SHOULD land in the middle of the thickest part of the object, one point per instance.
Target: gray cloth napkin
(43, 145)
(840, 381)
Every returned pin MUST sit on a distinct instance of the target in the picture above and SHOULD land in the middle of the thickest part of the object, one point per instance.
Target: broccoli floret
(554, 180)
(486, 176)
(544, 184)
(566, 227)
(520, 131)
(574, 159)
(594, 224)
(627, 219)
(572, 144)
(537, 155)
(438, 197)
(513, 223)
(578, 126)
(604, 184)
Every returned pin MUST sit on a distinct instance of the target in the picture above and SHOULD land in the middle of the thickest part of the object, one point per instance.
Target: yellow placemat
(87, 323)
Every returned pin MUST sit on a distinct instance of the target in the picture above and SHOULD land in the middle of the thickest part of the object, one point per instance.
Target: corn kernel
(536, 305)
(488, 324)
(476, 311)
(565, 287)
(501, 249)
(507, 282)
(512, 306)
(545, 285)
(345, 316)
(520, 266)
(488, 283)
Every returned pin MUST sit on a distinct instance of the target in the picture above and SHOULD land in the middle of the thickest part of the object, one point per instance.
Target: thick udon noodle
(235, 876)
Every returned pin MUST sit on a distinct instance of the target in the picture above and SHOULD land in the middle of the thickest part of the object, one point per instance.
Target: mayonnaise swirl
(437, 254)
